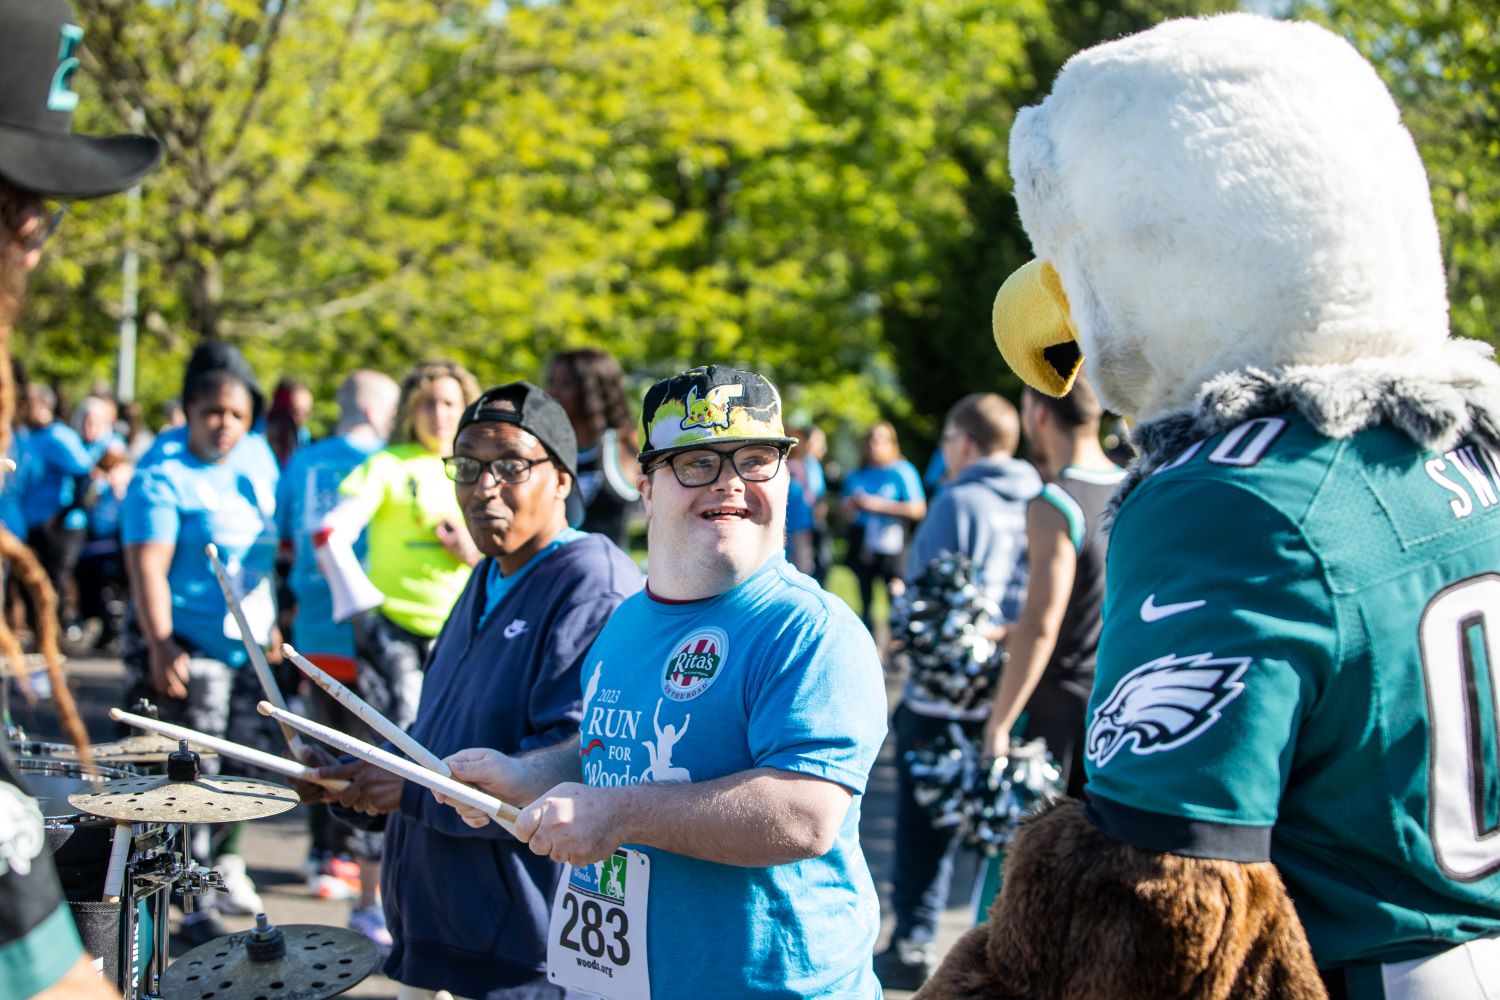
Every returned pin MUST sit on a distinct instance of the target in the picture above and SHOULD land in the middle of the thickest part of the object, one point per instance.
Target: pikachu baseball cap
(707, 406)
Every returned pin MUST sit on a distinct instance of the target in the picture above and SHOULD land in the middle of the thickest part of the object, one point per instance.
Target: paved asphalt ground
(276, 847)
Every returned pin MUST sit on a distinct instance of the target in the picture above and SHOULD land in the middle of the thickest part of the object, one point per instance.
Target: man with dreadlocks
(41, 160)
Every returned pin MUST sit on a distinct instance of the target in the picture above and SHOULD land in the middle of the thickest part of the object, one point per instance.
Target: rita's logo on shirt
(694, 663)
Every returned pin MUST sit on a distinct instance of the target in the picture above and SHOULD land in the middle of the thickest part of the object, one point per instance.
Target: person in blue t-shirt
(310, 489)
(184, 650)
(882, 500)
(57, 461)
(710, 806)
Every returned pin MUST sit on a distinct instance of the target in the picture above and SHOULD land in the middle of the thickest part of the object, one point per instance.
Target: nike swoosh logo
(514, 629)
(1153, 612)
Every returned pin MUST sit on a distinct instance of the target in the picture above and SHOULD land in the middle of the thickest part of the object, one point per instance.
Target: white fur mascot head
(1231, 195)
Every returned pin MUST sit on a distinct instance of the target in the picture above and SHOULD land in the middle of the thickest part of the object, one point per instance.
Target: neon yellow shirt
(406, 494)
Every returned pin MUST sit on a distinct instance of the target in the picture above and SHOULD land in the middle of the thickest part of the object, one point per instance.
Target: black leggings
(869, 567)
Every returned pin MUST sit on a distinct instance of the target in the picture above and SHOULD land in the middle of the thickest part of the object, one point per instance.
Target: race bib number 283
(596, 940)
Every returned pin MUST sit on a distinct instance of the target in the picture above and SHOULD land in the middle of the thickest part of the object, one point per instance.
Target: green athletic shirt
(406, 494)
(1299, 662)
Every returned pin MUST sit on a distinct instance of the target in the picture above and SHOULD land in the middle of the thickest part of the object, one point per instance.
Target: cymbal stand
(161, 874)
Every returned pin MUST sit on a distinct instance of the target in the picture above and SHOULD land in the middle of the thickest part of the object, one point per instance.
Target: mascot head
(1212, 196)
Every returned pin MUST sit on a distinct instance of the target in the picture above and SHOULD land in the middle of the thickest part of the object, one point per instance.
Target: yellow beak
(1034, 329)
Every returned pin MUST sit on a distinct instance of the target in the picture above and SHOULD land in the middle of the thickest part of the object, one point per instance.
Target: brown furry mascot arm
(1082, 915)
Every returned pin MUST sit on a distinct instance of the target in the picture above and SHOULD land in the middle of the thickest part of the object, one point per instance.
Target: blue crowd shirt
(310, 489)
(57, 455)
(817, 482)
(189, 502)
(775, 673)
(897, 481)
(253, 453)
(12, 514)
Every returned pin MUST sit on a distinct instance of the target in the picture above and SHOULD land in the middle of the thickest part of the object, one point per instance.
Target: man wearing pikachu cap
(732, 713)
(1292, 746)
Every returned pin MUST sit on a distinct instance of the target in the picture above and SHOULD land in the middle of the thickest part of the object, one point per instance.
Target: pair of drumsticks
(424, 768)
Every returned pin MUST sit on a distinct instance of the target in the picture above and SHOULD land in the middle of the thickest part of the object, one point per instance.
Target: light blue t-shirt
(498, 584)
(252, 453)
(817, 482)
(13, 488)
(190, 503)
(774, 673)
(57, 456)
(310, 489)
(884, 534)
(799, 509)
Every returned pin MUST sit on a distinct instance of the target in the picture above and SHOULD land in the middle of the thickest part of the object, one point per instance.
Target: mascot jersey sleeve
(38, 940)
(1290, 619)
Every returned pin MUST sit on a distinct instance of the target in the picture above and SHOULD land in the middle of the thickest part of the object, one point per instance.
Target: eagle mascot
(1293, 779)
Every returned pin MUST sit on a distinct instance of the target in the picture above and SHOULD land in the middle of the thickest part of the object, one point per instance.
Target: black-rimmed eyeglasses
(754, 463)
(466, 471)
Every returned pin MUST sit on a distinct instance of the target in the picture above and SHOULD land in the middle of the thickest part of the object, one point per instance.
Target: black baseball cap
(531, 409)
(39, 153)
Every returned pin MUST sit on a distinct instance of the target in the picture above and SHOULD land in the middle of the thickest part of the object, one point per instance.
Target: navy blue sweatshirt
(467, 908)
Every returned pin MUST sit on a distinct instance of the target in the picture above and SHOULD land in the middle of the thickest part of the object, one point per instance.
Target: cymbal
(211, 798)
(318, 962)
(146, 748)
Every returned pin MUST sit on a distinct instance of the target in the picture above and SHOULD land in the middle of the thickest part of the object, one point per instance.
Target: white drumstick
(226, 748)
(257, 655)
(354, 703)
(458, 792)
(119, 853)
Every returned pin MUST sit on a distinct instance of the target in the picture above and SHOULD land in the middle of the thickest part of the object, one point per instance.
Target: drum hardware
(295, 962)
(157, 862)
(132, 834)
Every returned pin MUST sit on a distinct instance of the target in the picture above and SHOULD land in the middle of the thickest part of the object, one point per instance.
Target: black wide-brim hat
(39, 152)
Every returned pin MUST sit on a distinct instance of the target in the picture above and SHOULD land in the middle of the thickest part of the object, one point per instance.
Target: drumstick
(119, 852)
(458, 792)
(249, 755)
(257, 656)
(354, 703)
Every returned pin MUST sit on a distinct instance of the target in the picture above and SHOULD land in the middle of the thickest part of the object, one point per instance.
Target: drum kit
(119, 832)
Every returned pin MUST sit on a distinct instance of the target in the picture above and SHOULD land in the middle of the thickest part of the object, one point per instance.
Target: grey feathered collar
(1435, 401)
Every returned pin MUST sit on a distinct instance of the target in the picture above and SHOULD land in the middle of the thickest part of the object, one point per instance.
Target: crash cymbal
(145, 748)
(210, 798)
(295, 962)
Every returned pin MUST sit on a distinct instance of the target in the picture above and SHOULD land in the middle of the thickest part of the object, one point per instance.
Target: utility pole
(129, 285)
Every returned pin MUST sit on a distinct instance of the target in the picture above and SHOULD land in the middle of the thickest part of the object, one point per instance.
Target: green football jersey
(1299, 662)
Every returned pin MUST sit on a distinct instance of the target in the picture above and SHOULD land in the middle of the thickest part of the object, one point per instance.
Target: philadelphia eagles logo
(1164, 704)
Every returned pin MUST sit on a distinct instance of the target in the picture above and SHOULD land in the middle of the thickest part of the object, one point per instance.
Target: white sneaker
(241, 899)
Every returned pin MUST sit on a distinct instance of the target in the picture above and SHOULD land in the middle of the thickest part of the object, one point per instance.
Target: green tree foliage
(817, 188)
(1441, 59)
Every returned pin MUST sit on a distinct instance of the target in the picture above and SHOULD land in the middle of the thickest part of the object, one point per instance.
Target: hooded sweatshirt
(981, 515)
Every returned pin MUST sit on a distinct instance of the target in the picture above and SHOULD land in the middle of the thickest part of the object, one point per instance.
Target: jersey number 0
(1458, 630)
